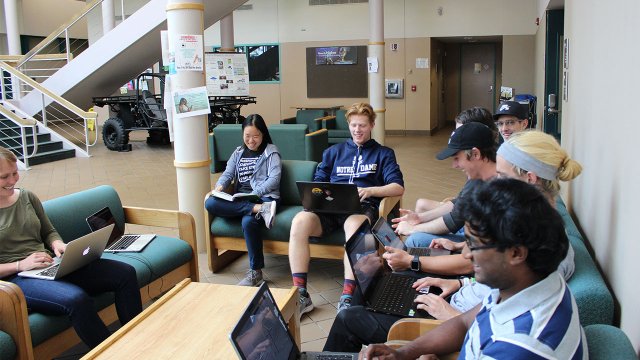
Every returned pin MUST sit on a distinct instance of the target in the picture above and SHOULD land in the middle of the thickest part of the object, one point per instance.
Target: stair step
(50, 156)
(43, 146)
(11, 141)
(14, 130)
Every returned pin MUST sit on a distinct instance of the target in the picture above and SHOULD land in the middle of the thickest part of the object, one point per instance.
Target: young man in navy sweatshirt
(361, 161)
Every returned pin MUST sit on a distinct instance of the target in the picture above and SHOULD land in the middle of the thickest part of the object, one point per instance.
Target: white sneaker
(268, 213)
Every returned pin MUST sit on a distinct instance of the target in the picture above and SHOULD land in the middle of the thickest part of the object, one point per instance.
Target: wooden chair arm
(183, 221)
(14, 319)
(388, 204)
(324, 118)
(406, 330)
(317, 132)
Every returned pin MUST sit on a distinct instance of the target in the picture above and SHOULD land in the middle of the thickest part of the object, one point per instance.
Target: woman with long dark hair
(253, 168)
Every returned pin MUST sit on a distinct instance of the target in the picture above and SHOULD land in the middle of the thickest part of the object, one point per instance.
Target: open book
(236, 197)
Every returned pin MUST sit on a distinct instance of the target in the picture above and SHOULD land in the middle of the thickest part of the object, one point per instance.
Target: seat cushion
(345, 134)
(232, 227)
(7, 346)
(160, 257)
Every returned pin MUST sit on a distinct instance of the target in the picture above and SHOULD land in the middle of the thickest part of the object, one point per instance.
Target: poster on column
(190, 102)
(227, 74)
(189, 53)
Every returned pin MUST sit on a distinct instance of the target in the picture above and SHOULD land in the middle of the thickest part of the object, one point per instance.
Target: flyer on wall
(189, 53)
(227, 74)
(190, 102)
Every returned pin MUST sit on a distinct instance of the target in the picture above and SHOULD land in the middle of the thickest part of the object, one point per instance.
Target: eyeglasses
(479, 247)
(507, 123)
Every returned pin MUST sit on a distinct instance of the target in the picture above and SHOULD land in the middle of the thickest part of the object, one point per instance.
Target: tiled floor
(146, 177)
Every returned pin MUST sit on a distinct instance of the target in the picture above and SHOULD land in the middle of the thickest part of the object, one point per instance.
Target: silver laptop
(117, 241)
(261, 333)
(79, 253)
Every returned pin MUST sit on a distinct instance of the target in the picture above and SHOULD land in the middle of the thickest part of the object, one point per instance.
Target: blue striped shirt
(539, 322)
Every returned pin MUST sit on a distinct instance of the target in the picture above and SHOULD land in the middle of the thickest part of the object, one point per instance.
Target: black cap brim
(446, 153)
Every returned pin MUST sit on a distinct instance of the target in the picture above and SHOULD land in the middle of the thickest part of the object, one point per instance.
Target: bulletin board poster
(227, 74)
(188, 53)
(337, 55)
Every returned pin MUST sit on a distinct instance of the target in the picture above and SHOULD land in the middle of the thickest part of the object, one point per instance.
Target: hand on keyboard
(37, 260)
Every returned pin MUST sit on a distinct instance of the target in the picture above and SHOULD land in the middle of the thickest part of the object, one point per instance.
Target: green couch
(337, 126)
(593, 298)
(296, 143)
(224, 139)
(162, 264)
(225, 240)
(311, 118)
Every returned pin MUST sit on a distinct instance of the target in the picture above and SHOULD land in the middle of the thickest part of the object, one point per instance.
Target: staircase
(47, 149)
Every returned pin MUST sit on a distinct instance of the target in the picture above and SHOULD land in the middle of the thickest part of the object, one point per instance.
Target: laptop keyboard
(52, 271)
(420, 251)
(394, 294)
(333, 357)
(124, 242)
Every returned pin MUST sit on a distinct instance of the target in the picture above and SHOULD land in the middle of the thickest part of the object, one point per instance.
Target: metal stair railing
(19, 147)
(75, 127)
(69, 40)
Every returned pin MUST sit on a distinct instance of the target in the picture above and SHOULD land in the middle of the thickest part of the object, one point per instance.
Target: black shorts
(331, 222)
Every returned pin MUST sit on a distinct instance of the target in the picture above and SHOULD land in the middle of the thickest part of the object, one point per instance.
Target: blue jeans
(422, 239)
(250, 225)
(71, 296)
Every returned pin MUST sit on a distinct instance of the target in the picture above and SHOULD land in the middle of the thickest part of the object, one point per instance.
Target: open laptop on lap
(387, 237)
(262, 333)
(117, 241)
(78, 253)
(327, 197)
(383, 290)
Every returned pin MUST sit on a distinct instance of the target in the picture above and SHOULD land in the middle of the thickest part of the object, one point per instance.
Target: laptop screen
(366, 263)
(103, 218)
(386, 235)
(261, 332)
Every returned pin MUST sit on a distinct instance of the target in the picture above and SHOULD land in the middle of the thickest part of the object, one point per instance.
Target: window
(263, 60)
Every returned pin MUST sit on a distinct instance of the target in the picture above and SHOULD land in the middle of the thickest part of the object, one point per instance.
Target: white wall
(600, 129)
(518, 62)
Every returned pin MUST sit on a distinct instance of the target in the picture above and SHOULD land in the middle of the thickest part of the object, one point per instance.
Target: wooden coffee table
(191, 321)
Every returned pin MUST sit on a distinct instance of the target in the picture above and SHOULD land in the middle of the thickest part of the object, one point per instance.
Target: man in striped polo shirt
(516, 241)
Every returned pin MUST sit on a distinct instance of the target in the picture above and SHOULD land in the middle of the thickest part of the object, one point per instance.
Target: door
(477, 75)
(552, 115)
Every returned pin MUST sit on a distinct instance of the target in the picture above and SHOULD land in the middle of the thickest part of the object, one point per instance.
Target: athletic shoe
(304, 303)
(268, 213)
(345, 303)
(251, 278)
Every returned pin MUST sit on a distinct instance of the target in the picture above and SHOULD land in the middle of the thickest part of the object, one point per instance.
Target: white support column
(13, 27)
(226, 34)
(190, 134)
(108, 16)
(376, 80)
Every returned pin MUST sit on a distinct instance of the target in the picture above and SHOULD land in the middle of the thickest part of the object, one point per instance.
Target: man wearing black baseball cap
(511, 117)
(473, 150)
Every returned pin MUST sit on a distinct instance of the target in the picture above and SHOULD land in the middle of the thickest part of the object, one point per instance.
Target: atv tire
(113, 134)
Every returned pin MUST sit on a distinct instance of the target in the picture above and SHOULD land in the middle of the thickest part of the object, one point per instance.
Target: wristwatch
(415, 263)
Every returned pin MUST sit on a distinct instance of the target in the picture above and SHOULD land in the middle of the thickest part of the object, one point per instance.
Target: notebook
(78, 253)
(387, 237)
(262, 333)
(117, 241)
(326, 197)
(383, 290)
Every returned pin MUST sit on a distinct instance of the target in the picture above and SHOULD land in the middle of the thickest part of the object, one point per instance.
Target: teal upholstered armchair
(337, 126)
(224, 139)
(295, 142)
(311, 118)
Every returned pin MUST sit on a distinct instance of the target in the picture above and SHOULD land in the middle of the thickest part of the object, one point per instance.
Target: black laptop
(384, 291)
(327, 197)
(387, 237)
(118, 241)
(261, 333)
